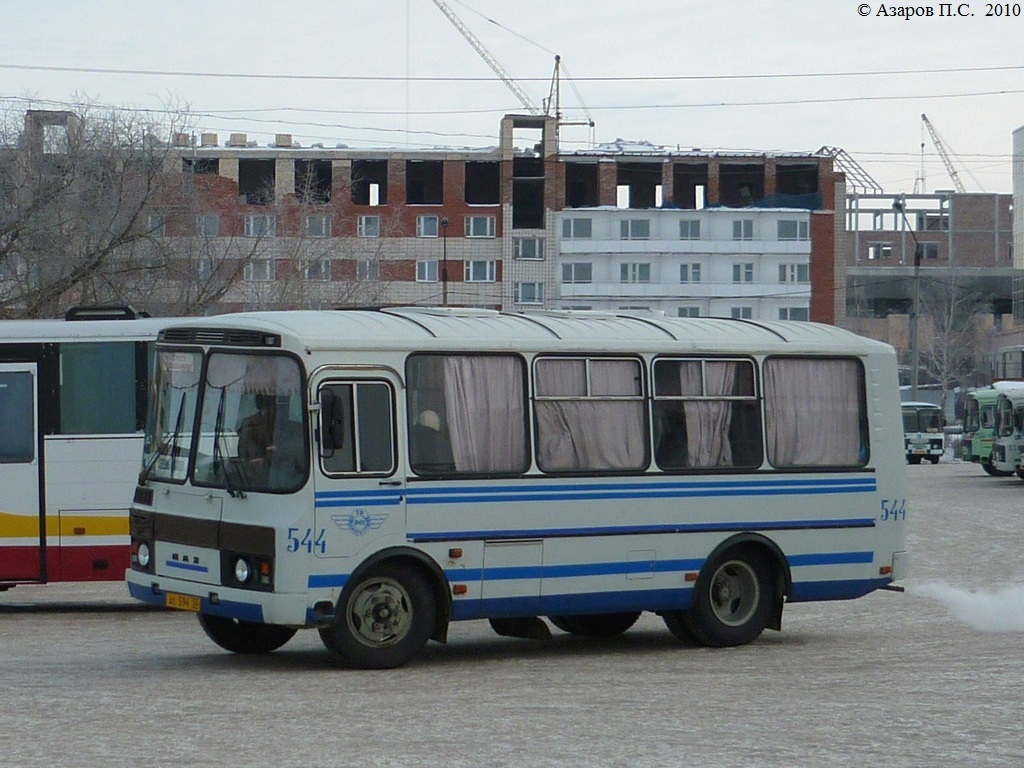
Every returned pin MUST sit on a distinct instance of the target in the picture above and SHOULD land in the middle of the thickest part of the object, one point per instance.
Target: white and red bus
(73, 397)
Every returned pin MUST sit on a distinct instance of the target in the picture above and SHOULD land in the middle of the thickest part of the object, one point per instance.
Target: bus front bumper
(244, 605)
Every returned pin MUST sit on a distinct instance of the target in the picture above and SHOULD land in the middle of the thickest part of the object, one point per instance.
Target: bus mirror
(332, 421)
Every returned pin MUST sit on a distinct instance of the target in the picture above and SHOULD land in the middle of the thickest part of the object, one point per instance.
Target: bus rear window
(815, 414)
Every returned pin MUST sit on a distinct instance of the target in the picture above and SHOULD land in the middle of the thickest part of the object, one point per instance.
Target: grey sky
(966, 73)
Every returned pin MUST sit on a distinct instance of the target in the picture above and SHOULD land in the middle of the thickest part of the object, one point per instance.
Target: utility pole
(900, 206)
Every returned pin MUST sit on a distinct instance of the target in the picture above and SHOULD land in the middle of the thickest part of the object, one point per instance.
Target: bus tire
(732, 600)
(933, 459)
(245, 636)
(596, 624)
(384, 617)
(913, 459)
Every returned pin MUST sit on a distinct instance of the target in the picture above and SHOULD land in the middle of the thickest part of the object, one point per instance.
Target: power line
(467, 79)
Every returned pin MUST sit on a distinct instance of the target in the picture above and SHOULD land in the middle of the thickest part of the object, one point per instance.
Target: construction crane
(553, 101)
(940, 147)
(490, 60)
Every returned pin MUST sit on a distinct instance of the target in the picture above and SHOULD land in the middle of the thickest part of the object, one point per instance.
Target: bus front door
(360, 494)
(22, 520)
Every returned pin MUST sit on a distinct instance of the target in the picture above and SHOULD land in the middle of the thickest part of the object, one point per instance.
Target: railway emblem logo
(360, 521)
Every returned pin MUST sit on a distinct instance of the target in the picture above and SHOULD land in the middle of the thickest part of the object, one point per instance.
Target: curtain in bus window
(708, 421)
(484, 406)
(598, 428)
(813, 412)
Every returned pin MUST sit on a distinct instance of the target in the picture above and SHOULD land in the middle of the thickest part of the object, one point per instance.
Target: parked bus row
(376, 475)
(993, 433)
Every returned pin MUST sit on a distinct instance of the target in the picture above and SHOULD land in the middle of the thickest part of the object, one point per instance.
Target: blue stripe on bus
(623, 530)
(476, 494)
(576, 570)
(186, 566)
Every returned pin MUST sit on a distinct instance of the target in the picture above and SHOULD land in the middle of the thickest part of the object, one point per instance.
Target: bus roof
(44, 331)
(461, 328)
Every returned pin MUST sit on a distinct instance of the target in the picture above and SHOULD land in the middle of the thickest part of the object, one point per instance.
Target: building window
(743, 229)
(635, 272)
(259, 270)
(791, 229)
(529, 293)
(688, 312)
(426, 271)
(208, 225)
(689, 229)
(577, 229)
(480, 226)
(260, 225)
(207, 268)
(793, 313)
(480, 271)
(794, 273)
(879, 251)
(426, 226)
(635, 229)
(929, 250)
(368, 269)
(368, 226)
(689, 273)
(577, 272)
(155, 225)
(317, 269)
(741, 313)
(528, 248)
(743, 273)
(318, 226)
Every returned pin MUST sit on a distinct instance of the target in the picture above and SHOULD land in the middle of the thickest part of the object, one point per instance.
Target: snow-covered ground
(934, 677)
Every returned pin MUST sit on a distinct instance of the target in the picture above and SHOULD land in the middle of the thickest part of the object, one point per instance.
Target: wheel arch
(780, 567)
(430, 569)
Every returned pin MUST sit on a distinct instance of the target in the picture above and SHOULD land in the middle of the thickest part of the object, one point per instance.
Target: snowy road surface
(934, 677)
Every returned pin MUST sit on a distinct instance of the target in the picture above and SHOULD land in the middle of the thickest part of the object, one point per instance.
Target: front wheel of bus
(245, 636)
(384, 618)
(732, 601)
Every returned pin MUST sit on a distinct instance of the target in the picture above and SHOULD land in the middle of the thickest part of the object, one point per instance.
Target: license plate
(182, 602)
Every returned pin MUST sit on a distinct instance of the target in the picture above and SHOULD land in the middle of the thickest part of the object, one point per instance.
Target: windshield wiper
(148, 469)
(220, 459)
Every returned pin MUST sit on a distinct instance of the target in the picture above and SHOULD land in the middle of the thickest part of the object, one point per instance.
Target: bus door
(360, 494)
(22, 518)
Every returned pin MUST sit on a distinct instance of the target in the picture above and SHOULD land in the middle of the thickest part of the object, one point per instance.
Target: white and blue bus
(378, 474)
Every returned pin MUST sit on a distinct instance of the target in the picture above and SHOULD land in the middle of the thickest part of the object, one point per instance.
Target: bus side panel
(87, 480)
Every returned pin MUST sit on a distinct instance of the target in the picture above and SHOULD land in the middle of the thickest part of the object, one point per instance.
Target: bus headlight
(142, 555)
(242, 570)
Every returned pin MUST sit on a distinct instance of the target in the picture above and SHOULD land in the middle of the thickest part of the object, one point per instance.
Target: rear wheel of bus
(245, 636)
(732, 600)
(385, 616)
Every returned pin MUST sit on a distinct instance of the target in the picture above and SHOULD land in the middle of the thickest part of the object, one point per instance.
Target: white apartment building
(750, 263)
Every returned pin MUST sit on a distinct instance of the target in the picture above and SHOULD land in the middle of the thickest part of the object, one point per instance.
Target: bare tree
(949, 353)
(75, 189)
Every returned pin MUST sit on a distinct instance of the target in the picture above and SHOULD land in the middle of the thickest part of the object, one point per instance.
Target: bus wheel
(384, 618)
(596, 624)
(245, 636)
(913, 459)
(732, 600)
(933, 459)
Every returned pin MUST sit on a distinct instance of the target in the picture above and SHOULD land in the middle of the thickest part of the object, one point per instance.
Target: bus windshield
(250, 434)
(922, 420)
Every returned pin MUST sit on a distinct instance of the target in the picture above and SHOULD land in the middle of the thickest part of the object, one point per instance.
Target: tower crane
(490, 60)
(554, 96)
(940, 147)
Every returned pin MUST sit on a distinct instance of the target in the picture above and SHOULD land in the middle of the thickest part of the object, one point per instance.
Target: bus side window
(363, 416)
